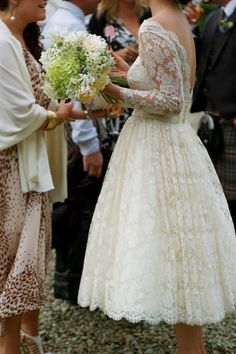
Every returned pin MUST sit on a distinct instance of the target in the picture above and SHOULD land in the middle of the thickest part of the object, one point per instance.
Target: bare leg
(30, 336)
(189, 339)
(10, 342)
(202, 341)
(29, 323)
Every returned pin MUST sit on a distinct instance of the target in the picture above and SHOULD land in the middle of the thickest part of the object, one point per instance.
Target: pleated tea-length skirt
(162, 243)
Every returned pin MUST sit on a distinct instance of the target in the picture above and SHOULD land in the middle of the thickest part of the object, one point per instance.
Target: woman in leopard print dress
(24, 201)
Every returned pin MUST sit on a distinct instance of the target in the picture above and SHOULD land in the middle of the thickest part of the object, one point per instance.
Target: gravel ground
(68, 329)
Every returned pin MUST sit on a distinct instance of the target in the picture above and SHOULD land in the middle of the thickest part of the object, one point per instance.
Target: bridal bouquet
(76, 66)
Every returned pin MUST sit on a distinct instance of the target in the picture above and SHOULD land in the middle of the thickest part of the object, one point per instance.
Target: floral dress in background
(123, 39)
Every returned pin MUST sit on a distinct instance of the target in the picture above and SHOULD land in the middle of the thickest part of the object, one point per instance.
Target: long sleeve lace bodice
(158, 77)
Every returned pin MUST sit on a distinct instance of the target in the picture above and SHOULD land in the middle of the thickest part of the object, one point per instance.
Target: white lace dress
(162, 244)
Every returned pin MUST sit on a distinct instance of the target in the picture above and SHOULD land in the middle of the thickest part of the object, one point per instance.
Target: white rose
(93, 43)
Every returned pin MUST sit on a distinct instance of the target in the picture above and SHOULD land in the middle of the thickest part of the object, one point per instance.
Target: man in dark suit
(215, 89)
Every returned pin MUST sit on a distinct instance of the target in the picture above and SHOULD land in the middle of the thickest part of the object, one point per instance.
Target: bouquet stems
(117, 80)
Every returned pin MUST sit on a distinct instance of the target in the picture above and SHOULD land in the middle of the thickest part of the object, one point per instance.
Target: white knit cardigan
(42, 156)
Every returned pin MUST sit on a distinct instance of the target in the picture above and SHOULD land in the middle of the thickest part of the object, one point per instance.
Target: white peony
(76, 66)
(94, 44)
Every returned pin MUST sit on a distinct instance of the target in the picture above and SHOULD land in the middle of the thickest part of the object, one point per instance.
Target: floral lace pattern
(157, 249)
(163, 60)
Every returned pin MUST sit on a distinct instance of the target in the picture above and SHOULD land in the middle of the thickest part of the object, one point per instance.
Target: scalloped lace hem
(171, 320)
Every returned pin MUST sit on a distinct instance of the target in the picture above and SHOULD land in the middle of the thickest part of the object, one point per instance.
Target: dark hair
(32, 39)
(31, 34)
(4, 5)
(184, 2)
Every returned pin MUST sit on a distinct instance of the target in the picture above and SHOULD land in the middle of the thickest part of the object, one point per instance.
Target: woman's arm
(20, 114)
(129, 54)
(55, 118)
(112, 111)
(160, 59)
(121, 65)
(77, 113)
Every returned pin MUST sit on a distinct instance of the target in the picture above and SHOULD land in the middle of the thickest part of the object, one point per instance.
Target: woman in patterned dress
(26, 175)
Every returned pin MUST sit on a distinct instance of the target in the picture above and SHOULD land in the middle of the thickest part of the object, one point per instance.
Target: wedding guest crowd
(40, 168)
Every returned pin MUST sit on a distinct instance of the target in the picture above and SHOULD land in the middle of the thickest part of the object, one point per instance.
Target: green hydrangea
(76, 66)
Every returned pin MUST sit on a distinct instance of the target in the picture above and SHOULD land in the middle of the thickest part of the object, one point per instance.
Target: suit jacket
(216, 74)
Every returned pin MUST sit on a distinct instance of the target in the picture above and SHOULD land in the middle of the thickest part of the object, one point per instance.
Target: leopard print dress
(25, 229)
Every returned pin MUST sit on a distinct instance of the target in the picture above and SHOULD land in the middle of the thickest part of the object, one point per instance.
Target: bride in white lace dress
(162, 243)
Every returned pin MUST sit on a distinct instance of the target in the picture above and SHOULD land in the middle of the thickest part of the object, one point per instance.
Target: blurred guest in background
(51, 7)
(216, 64)
(125, 16)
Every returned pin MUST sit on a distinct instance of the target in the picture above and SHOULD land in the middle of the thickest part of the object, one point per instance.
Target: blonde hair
(108, 8)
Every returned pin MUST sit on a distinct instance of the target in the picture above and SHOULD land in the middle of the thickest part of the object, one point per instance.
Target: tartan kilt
(225, 162)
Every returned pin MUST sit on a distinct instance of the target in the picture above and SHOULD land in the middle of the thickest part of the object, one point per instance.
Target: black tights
(232, 208)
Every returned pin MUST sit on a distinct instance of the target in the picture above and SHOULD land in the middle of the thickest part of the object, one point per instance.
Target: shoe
(31, 344)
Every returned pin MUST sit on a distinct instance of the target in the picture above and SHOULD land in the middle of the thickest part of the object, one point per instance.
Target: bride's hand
(128, 54)
(121, 65)
(120, 74)
(115, 110)
(110, 89)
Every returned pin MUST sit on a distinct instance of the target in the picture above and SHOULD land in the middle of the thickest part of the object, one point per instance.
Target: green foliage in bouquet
(76, 66)
(61, 74)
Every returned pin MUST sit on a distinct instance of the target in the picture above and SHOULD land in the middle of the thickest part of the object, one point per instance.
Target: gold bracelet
(86, 113)
(52, 121)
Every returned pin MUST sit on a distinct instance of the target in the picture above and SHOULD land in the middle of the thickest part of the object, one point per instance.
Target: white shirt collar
(229, 8)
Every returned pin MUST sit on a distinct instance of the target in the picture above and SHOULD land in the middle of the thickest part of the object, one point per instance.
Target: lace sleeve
(160, 59)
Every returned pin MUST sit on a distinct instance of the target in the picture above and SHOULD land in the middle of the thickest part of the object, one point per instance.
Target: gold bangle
(86, 113)
(52, 121)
